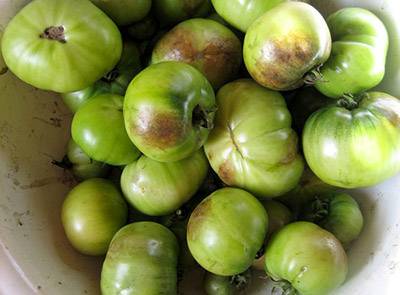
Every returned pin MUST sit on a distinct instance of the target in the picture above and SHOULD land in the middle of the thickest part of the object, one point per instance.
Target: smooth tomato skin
(359, 49)
(142, 259)
(115, 82)
(98, 128)
(171, 121)
(335, 141)
(157, 188)
(217, 285)
(91, 214)
(61, 66)
(170, 12)
(242, 13)
(210, 47)
(124, 12)
(310, 258)
(226, 230)
(278, 216)
(277, 54)
(83, 166)
(344, 218)
(252, 145)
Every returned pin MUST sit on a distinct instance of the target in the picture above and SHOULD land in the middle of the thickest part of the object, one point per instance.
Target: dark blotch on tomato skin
(219, 60)
(226, 173)
(197, 217)
(191, 6)
(284, 59)
(161, 130)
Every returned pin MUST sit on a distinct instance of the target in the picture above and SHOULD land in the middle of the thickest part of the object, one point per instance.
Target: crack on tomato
(235, 144)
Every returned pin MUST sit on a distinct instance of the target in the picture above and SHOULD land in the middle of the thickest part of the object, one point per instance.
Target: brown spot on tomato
(227, 173)
(197, 217)
(284, 61)
(161, 130)
(218, 59)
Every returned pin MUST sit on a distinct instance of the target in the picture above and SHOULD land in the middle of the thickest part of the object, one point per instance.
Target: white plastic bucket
(35, 256)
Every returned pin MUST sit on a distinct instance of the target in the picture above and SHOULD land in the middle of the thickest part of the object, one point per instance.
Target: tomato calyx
(319, 210)
(348, 101)
(242, 280)
(203, 118)
(283, 287)
(55, 33)
(314, 76)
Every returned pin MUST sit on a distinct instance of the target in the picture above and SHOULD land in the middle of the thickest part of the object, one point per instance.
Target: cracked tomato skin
(169, 110)
(359, 49)
(142, 259)
(226, 230)
(124, 12)
(72, 61)
(252, 145)
(242, 13)
(157, 188)
(358, 147)
(207, 45)
(279, 54)
(310, 258)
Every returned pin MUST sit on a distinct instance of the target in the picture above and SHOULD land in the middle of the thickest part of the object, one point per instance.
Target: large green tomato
(278, 216)
(170, 121)
(98, 128)
(124, 12)
(307, 257)
(357, 62)
(142, 260)
(210, 47)
(253, 145)
(115, 81)
(83, 167)
(356, 146)
(61, 45)
(226, 230)
(91, 214)
(242, 13)
(157, 188)
(280, 54)
(174, 11)
(338, 213)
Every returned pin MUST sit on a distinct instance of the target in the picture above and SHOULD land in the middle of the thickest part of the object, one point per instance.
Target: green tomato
(253, 145)
(226, 230)
(210, 47)
(356, 146)
(142, 260)
(242, 13)
(307, 257)
(170, 121)
(60, 45)
(218, 285)
(278, 216)
(124, 12)
(281, 54)
(83, 167)
(359, 49)
(174, 11)
(143, 30)
(116, 81)
(91, 214)
(306, 101)
(157, 188)
(339, 214)
(309, 187)
(98, 128)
